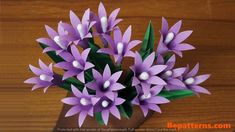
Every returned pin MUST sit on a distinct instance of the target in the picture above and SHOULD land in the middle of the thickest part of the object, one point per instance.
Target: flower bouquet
(93, 72)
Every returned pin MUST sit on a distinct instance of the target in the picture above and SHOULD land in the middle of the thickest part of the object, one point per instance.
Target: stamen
(105, 103)
(104, 24)
(80, 30)
(189, 81)
(168, 73)
(145, 96)
(45, 77)
(76, 64)
(84, 101)
(106, 84)
(169, 37)
(57, 40)
(120, 47)
(144, 76)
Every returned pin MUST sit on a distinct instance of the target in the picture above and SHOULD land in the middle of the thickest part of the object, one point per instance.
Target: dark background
(213, 23)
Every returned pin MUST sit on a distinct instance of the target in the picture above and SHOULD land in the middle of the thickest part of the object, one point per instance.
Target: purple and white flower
(171, 75)
(79, 32)
(75, 63)
(145, 73)
(149, 100)
(107, 106)
(106, 84)
(105, 24)
(81, 103)
(44, 76)
(120, 46)
(192, 81)
(57, 41)
(172, 40)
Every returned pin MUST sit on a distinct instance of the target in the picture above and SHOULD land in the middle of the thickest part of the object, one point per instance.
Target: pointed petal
(96, 74)
(117, 86)
(183, 47)
(154, 108)
(156, 80)
(144, 109)
(127, 35)
(182, 36)
(171, 62)
(164, 26)
(105, 116)
(115, 112)
(75, 52)
(119, 101)
(156, 89)
(88, 65)
(75, 91)
(86, 16)
(106, 51)
(194, 71)
(158, 100)
(201, 78)
(85, 54)
(68, 74)
(154, 70)
(35, 70)
(106, 72)
(135, 81)
(116, 76)
(132, 44)
(178, 71)
(176, 27)
(149, 60)
(74, 110)
(114, 14)
(82, 117)
(117, 35)
(101, 10)
(51, 32)
(74, 19)
(81, 77)
(200, 89)
(70, 100)
(177, 82)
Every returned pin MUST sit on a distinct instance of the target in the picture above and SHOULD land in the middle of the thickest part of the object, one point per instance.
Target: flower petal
(127, 35)
(70, 100)
(176, 27)
(156, 80)
(101, 10)
(154, 70)
(74, 110)
(82, 117)
(115, 112)
(200, 89)
(105, 116)
(117, 86)
(182, 36)
(201, 78)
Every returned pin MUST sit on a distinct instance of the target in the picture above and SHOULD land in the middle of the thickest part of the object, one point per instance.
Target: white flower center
(168, 73)
(45, 77)
(106, 84)
(120, 47)
(189, 81)
(145, 96)
(76, 64)
(144, 76)
(105, 103)
(57, 40)
(104, 23)
(169, 37)
(84, 101)
(80, 30)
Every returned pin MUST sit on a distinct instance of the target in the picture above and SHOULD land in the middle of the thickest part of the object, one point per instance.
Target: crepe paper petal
(199, 89)
(72, 111)
(82, 117)
(114, 111)
(201, 78)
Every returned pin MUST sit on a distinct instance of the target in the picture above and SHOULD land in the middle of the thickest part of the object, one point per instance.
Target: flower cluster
(96, 86)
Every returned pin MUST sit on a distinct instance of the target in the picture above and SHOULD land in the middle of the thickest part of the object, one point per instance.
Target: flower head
(171, 75)
(44, 76)
(81, 103)
(192, 81)
(106, 84)
(75, 63)
(145, 73)
(57, 41)
(105, 24)
(172, 40)
(79, 31)
(149, 100)
(107, 106)
(120, 46)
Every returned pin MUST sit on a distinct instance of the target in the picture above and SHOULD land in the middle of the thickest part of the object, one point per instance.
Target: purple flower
(80, 31)
(145, 73)
(105, 25)
(106, 84)
(75, 63)
(170, 75)
(81, 103)
(121, 45)
(106, 106)
(149, 100)
(172, 40)
(56, 42)
(192, 81)
(44, 76)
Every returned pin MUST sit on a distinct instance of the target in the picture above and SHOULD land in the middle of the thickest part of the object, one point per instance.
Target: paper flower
(107, 106)
(149, 100)
(170, 75)
(80, 31)
(75, 63)
(44, 76)
(150, 81)
(172, 40)
(120, 46)
(191, 80)
(106, 84)
(105, 24)
(145, 73)
(56, 42)
(81, 103)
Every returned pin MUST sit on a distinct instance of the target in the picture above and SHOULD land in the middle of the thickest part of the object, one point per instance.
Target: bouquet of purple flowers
(93, 75)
